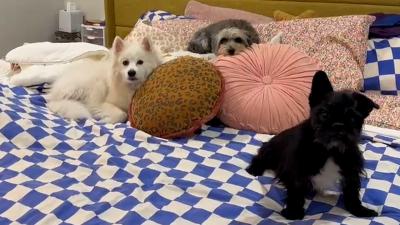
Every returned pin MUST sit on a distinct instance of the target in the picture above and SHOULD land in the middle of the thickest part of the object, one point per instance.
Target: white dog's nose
(131, 73)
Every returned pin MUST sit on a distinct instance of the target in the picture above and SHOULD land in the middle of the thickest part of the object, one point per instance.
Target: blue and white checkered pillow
(382, 70)
(156, 15)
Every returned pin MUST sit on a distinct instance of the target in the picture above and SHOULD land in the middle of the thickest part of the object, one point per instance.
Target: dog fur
(103, 89)
(320, 150)
(226, 37)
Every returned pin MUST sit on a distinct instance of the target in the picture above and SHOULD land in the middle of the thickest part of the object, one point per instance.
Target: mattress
(54, 171)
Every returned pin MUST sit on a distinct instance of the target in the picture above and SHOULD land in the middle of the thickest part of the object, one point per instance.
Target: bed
(53, 171)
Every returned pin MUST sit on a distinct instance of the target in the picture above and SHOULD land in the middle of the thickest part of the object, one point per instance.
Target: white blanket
(5, 70)
(51, 53)
(38, 74)
(43, 62)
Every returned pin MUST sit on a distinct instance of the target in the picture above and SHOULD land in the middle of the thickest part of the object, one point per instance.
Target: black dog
(320, 150)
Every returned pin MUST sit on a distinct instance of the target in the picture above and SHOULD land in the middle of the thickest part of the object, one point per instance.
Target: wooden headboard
(121, 15)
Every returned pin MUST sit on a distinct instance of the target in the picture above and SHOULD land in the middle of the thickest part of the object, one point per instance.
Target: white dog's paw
(69, 109)
(97, 113)
(108, 113)
(115, 118)
(17, 80)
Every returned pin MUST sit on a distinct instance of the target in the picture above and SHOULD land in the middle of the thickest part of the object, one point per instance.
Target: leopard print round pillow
(178, 98)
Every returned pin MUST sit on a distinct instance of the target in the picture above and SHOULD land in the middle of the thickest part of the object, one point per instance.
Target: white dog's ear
(118, 44)
(147, 45)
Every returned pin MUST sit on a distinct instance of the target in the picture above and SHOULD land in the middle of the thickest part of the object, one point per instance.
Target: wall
(93, 9)
(27, 21)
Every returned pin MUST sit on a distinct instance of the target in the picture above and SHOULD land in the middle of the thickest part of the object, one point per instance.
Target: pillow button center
(267, 79)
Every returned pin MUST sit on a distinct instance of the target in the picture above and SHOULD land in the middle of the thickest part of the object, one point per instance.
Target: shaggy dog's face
(226, 37)
(230, 41)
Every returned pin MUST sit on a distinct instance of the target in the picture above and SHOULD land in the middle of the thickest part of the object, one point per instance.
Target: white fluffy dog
(103, 89)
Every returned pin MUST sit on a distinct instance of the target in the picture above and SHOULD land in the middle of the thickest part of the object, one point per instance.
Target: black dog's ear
(320, 88)
(364, 104)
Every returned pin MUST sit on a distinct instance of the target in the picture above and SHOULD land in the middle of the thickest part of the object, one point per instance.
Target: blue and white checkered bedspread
(58, 172)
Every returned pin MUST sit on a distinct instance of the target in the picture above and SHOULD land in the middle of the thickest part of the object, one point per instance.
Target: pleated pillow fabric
(266, 87)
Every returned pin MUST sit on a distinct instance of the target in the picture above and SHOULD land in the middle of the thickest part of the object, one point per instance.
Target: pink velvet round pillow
(266, 87)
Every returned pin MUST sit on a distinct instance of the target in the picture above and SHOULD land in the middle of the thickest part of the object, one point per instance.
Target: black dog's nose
(338, 125)
(231, 51)
(339, 128)
(131, 73)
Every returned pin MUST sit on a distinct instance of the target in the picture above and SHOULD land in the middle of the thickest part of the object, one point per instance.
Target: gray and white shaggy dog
(226, 37)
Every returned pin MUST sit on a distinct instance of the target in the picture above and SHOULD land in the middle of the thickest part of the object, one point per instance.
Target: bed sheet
(53, 171)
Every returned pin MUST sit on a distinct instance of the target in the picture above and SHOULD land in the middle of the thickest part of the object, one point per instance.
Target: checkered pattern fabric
(53, 171)
(156, 15)
(382, 70)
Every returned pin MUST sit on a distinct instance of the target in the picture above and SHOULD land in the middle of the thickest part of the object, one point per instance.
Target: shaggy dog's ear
(214, 45)
(200, 43)
(252, 38)
(320, 88)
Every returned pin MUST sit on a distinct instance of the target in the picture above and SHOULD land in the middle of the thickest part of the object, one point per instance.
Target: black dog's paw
(292, 214)
(362, 211)
(255, 170)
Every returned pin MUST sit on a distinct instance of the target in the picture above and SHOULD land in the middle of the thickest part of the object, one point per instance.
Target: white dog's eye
(238, 40)
(139, 62)
(125, 62)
